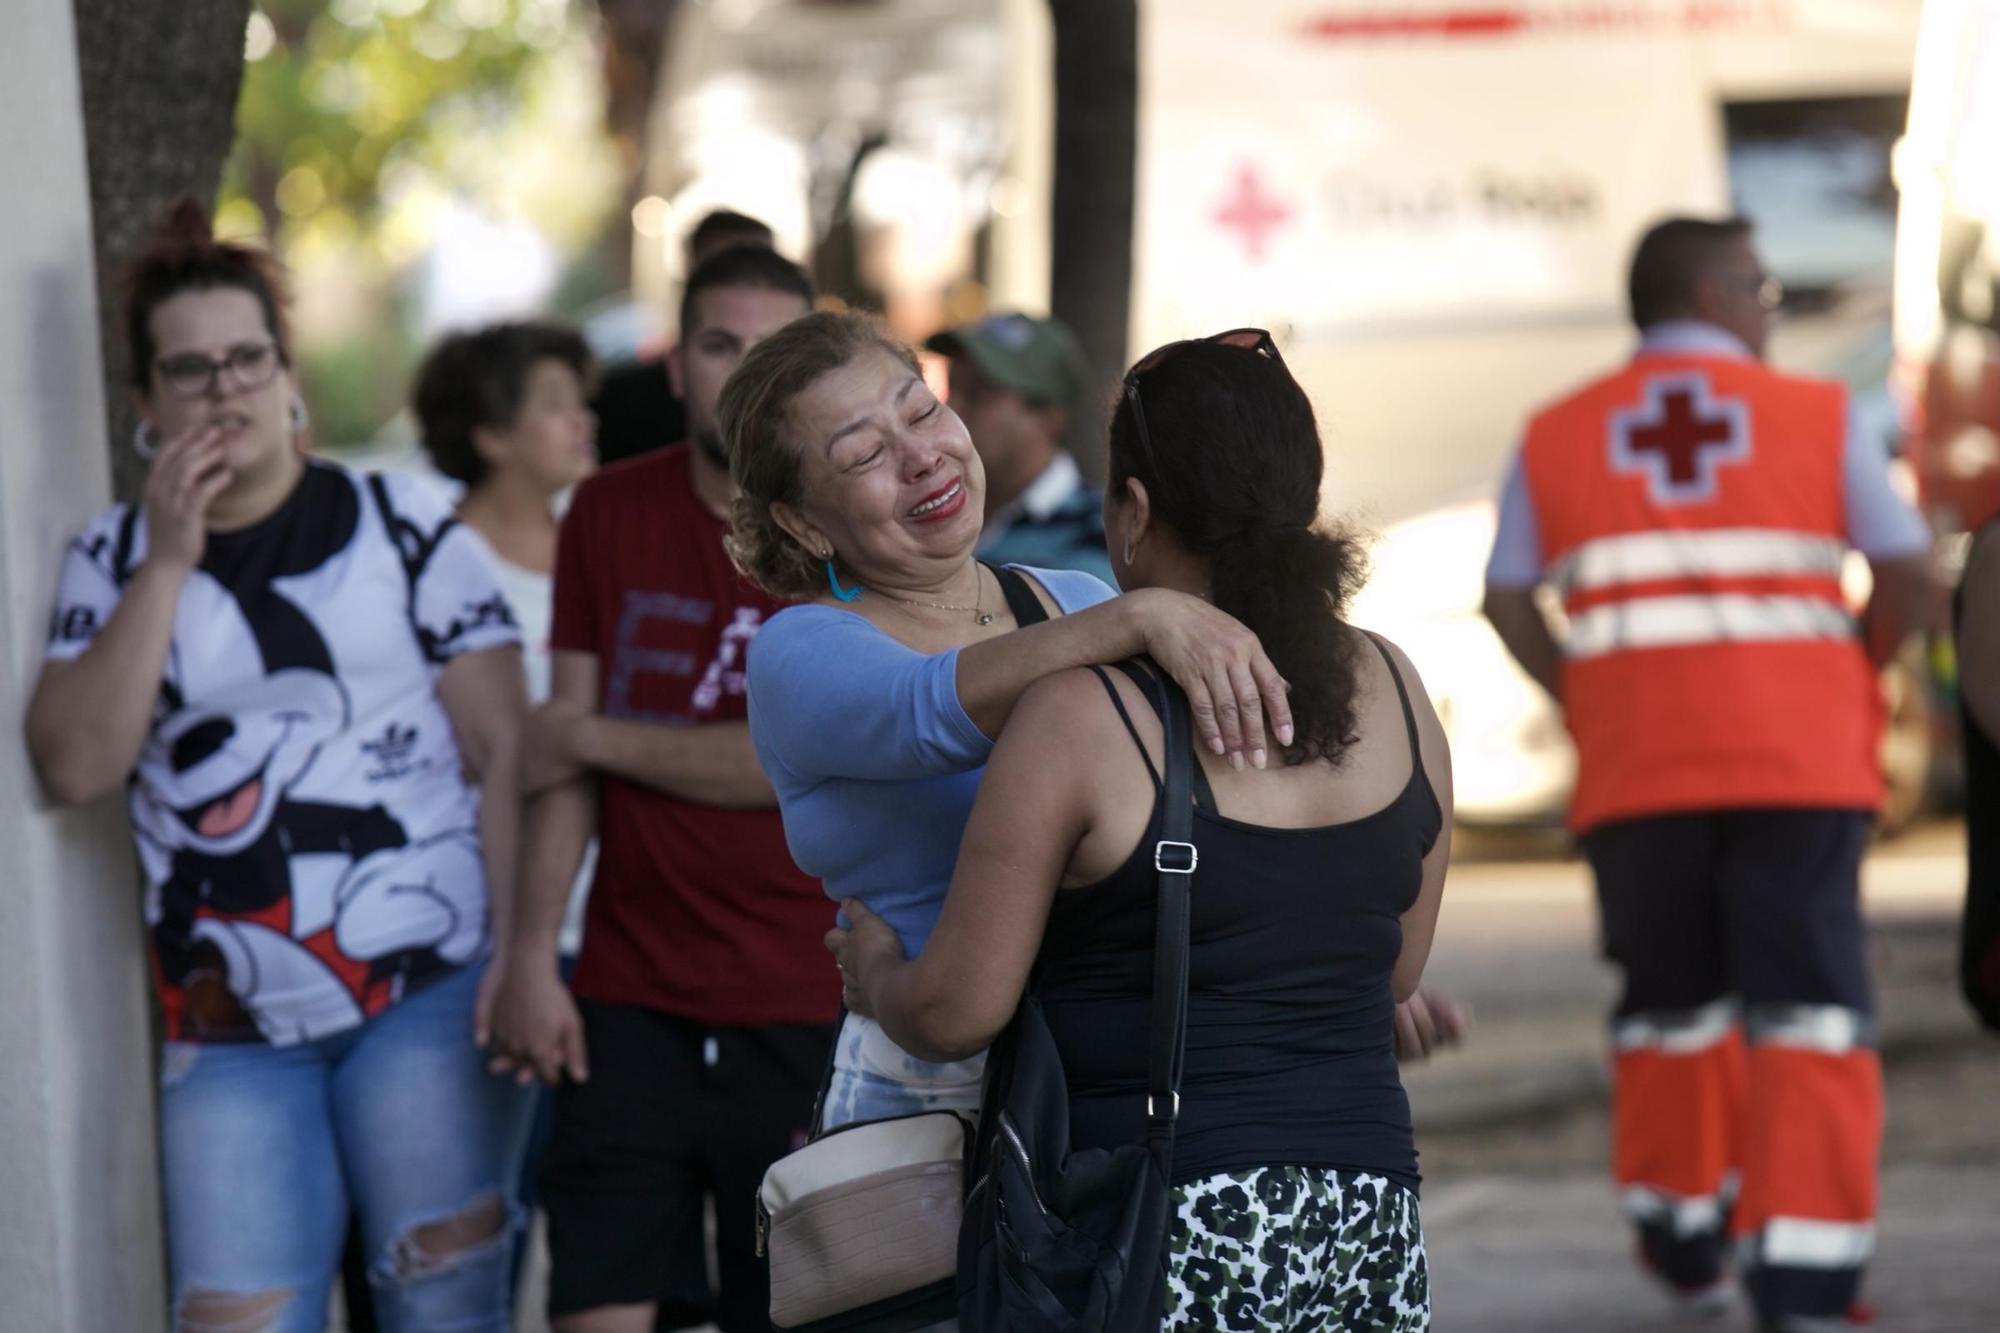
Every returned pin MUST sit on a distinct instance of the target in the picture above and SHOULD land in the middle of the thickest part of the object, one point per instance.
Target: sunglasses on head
(1255, 340)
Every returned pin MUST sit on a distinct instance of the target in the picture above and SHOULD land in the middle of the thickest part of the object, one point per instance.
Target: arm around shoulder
(833, 696)
(1035, 804)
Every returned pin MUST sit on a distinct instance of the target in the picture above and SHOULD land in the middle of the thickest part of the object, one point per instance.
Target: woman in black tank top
(1294, 1167)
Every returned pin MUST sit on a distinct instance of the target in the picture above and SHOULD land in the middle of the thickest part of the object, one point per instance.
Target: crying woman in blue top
(1314, 904)
(874, 705)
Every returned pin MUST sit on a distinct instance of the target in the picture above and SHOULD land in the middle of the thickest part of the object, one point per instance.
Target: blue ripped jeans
(265, 1148)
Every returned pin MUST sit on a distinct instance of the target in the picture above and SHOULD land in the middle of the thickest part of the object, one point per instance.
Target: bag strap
(818, 1125)
(1175, 858)
(121, 548)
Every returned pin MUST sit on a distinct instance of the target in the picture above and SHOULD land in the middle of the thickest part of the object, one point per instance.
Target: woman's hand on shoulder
(1232, 687)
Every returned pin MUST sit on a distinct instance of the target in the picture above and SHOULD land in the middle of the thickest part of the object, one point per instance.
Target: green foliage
(355, 383)
(338, 97)
(363, 123)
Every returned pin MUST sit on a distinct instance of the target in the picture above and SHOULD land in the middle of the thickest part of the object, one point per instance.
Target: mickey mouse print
(309, 840)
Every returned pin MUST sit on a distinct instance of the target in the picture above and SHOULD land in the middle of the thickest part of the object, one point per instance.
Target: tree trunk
(160, 79)
(635, 51)
(1096, 161)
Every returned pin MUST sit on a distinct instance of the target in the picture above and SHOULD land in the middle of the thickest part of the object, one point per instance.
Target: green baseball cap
(1039, 359)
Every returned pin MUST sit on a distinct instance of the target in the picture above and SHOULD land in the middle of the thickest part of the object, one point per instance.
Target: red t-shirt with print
(696, 911)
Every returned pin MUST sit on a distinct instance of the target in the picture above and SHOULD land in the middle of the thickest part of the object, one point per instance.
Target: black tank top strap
(1021, 599)
(1118, 702)
(1403, 694)
(1147, 678)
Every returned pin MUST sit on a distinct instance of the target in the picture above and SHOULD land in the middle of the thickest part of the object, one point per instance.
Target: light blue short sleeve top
(873, 757)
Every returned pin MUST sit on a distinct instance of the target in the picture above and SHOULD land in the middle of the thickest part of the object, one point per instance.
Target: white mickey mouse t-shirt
(309, 839)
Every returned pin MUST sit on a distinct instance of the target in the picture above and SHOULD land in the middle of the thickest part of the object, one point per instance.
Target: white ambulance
(1430, 204)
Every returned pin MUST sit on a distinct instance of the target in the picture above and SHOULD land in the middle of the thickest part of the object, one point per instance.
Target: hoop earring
(833, 582)
(143, 443)
(1128, 552)
(300, 418)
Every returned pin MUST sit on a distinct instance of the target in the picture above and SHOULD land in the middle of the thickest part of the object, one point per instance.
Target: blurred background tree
(423, 164)
(419, 164)
(159, 81)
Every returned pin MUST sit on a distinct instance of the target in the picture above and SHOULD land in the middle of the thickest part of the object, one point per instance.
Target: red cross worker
(1694, 509)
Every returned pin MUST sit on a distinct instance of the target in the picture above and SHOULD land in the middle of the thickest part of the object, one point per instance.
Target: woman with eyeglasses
(873, 705)
(303, 676)
(1317, 890)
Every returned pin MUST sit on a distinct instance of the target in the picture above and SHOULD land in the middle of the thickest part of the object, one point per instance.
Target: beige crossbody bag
(859, 1228)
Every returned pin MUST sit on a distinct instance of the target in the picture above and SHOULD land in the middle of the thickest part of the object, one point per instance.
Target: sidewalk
(1517, 942)
(1518, 1256)
(1524, 1236)
(1523, 1232)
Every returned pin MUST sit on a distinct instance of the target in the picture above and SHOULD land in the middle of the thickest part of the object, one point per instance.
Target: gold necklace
(979, 616)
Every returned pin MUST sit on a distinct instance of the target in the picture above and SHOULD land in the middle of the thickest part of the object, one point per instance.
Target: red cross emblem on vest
(1679, 437)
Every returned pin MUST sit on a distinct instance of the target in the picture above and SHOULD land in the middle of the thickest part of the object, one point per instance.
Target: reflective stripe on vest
(1678, 619)
(1640, 557)
(1691, 511)
(1699, 618)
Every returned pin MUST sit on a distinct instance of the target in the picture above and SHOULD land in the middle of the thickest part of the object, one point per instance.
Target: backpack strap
(415, 549)
(121, 547)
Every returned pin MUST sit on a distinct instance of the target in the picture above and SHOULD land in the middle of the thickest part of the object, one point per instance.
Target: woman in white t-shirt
(504, 411)
(299, 675)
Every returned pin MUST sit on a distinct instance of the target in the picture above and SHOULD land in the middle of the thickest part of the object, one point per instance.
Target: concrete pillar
(79, 1194)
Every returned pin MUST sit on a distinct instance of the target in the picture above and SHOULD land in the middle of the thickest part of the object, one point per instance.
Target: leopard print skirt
(1297, 1248)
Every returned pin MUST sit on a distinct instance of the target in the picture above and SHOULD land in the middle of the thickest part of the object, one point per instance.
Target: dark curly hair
(1233, 468)
(475, 381)
(183, 255)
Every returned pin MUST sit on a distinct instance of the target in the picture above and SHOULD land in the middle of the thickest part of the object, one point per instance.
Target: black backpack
(1055, 1239)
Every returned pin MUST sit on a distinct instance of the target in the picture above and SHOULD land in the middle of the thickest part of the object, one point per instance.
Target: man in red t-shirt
(703, 997)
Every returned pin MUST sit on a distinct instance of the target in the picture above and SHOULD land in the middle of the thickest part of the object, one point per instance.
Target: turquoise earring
(833, 582)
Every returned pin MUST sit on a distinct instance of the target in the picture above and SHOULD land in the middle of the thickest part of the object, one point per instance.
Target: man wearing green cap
(1014, 382)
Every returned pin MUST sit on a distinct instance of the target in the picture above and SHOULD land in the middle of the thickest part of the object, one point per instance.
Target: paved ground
(1522, 1229)
(1524, 1237)
(1523, 1234)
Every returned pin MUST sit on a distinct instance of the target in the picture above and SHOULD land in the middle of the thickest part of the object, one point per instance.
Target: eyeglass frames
(192, 375)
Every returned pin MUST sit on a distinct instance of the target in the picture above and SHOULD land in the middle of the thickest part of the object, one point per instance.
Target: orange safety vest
(1690, 509)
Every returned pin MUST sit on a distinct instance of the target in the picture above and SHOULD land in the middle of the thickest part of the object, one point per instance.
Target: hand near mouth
(187, 474)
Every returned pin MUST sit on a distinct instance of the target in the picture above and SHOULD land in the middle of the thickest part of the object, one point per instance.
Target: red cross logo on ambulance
(1680, 437)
